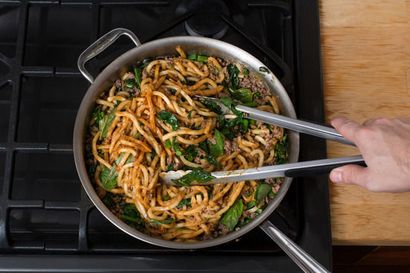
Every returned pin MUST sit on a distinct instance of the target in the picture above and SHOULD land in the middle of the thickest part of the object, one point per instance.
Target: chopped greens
(168, 143)
(198, 57)
(217, 149)
(163, 222)
(281, 150)
(212, 105)
(131, 215)
(233, 76)
(170, 167)
(196, 175)
(129, 83)
(108, 178)
(245, 71)
(98, 115)
(176, 148)
(262, 191)
(105, 122)
(190, 153)
(251, 204)
(231, 217)
(184, 202)
(244, 95)
(138, 76)
(169, 118)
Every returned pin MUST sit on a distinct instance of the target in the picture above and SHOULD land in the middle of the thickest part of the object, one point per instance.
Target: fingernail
(336, 176)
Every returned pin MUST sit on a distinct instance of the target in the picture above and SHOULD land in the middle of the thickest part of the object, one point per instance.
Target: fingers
(346, 127)
(350, 174)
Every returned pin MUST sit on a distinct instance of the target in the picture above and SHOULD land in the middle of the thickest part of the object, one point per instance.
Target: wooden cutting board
(366, 64)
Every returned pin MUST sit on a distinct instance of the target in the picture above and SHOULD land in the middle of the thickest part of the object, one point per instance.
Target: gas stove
(47, 222)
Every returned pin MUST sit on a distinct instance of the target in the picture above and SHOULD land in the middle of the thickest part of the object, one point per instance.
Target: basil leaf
(138, 76)
(281, 151)
(108, 178)
(131, 214)
(245, 71)
(169, 118)
(227, 101)
(217, 149)
(233, 75)
(262, 191)
(196, 175)
(212, 105)
(105, 122)
(231, 216)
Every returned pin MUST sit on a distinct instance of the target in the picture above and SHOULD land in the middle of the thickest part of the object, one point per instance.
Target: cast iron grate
(43, 207)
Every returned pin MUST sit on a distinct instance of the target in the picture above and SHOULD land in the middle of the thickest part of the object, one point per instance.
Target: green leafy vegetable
(129, 159)
(138, 76)
(129, 83)
(227, 101)
(163, 222)
(217, 149)
(168, 143)
(198, 57)
(108, 178)
(245, 71)
(212, 105)
(131, 214)
(192, 57)
(190, 114)
(105, 122)
(251, 204)
(202, 58)
(169, 118)
(108, 200)
(166, 197)
(281, 151)
(244, 95)
(98, 115)
(262, 191)
(184, 202)
(196, 175)
(190, 153)
(231, 217)
(170, 167)
(176, 148)
(233, 72)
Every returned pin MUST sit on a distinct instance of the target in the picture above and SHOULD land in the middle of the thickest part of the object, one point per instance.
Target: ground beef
(230, 147)
(256, 85)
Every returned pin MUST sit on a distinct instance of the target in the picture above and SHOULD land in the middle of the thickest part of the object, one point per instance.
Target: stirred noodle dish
(159, 117)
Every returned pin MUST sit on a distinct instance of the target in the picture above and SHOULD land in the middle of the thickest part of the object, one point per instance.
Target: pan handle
(100, 45)
(297, 254)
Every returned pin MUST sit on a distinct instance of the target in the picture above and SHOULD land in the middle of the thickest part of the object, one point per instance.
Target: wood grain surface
(366, 64)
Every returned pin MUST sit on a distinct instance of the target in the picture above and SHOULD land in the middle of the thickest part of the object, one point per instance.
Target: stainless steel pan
(163, 47)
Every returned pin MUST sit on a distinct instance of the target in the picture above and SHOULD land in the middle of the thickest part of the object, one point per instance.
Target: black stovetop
(46, 220)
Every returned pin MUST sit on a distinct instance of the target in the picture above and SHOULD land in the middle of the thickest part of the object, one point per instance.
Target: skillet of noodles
(155, 119)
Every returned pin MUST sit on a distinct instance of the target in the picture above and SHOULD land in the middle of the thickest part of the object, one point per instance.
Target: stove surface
(44, 210)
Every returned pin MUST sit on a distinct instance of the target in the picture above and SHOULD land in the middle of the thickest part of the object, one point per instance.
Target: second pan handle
(100, 45)
(297, 125)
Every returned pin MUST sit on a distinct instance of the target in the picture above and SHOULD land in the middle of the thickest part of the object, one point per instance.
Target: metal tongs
(283, 170)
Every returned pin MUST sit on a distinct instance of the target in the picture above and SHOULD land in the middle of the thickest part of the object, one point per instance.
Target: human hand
(385, 146)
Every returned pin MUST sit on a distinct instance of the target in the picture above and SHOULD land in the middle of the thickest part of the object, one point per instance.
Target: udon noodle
(156, 119)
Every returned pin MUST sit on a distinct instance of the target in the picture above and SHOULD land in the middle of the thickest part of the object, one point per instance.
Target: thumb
(350, 174)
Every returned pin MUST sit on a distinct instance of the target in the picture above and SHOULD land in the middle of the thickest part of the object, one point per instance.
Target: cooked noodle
(130, 144)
